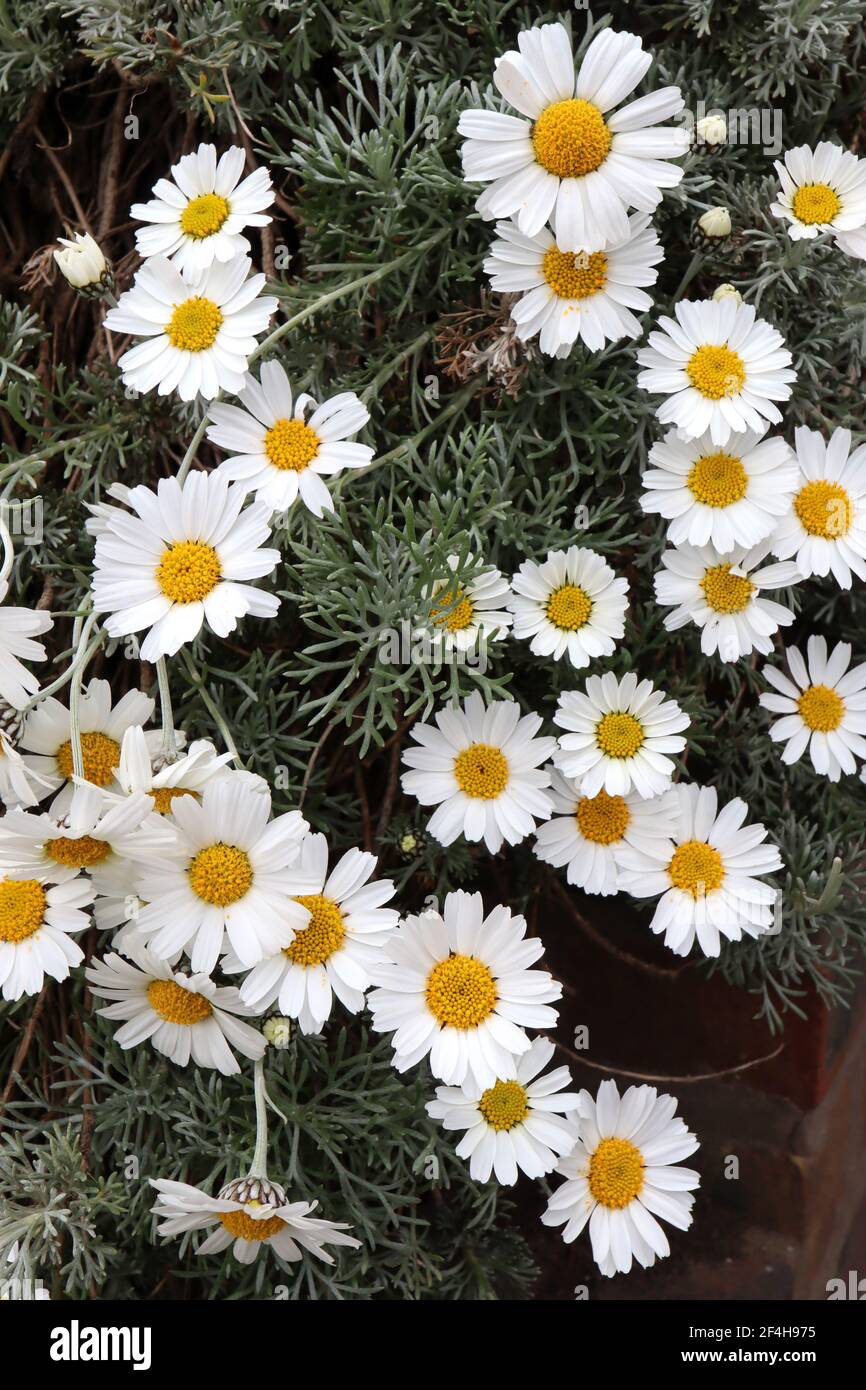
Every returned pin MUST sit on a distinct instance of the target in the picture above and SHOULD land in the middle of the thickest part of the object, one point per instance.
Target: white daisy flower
(570, 161)
(720, 368)
(235, 873)
(571, 605)
(20, 785)
(586, 833)
(332, 951)
(823, 708)
(459, 987)
(283, 448)
(461, 617)
(566, 295)
(480, 767)
(522, 1123)
(183, 560)
(724, 498)
(47, 739)
(724, 595)
(18, 627)
(37, 917)
(623, 1174)
(618, 733)
(198, 333)
(183, 1016)
(247, 1214)
(823, 190)
(825, 529)
(707, 875)
(197, 216)
(140, 770)
(853, 243)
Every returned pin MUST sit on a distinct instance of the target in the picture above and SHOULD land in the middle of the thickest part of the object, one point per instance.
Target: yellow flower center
(204, 215)
(717, 480)
(460, 992)
(574, 274)
(324, 934)
(602, 819)
(824, 509)
(696, 868)
(815, 202)
(291, 445)
(164, 796)
(481, 771)
(194, 325)
(176, 1004)
(22, 908)
(726, 592)
(570, 138)
(453, 611)
(220, 875)
(99, 754)
(616, 1173)
(821, 708)
(240, 1223)
(619, 735)
(80, 853)
(504, 1105)
(716, 372)
(188, 571)
(568, 608)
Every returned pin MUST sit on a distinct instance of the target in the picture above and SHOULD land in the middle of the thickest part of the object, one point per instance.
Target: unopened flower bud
(716, 223)
(712, 129)
(278, 1031)
(82, 263)
(727, 291)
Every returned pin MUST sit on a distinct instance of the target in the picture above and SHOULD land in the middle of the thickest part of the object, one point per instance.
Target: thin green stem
(454, 406)
(210, 705)
(169, 741)
(67, 675)
(81, 636)
(259, 1166)
(192, 448)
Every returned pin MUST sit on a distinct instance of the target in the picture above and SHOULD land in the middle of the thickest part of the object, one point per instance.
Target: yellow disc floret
(717, 480)
(716, 372)
(323, 935)
(194, 325)
(824, 509)
(453, 610)
(821, 708)
(504, 1105)
(616, 1173)
(241, 1224)
(696, 868)
(188, 571)
(726, 592)
(99, 753)
(460, 992)
(574, 274)
(569, 608)
(176, 1004)
(481, 771)
(291, 445)
(164, 796)
(22, 908)
(81, 853)
(815, 203)
(204, 215)
(619, 735)
(570, 138)
(602, 819)
(220, 875)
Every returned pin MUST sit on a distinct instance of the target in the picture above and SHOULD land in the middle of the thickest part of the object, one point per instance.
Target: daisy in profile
(235, 873)
(182, 560)
(825, 528)
(618, 735)
(724, 498)
(182, 1016)
(823, 190)
(523, 1123)
(331, 953)
(707, 876)
(480, 767)
(140, 769)
(720, 369)
(197, 216)
(46, 740)
(569, 157)
(462, 616)
(37, 918)
(460, 989)
(725, 596)
(18, 627)
(823, 707)
(566, 295)
(623, 1174)
(571, 605)
(282, 447)
(247, 1214)
(198, 333)
(586, 833)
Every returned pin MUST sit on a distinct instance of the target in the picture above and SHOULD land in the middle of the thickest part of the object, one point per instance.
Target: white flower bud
(278, 1031)
(727, 291)
(712, 129)
(81, 261)
(715, 222)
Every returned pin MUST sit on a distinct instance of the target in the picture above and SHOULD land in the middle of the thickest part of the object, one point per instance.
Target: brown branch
(23, 1046)
(624, 957)
(64, 179)
(672, 1080)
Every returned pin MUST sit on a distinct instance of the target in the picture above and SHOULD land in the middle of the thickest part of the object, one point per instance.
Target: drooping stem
(259, 1166)
(64, 679)
(169, 741)
(81, 636)
(210, 704)
(192, 447)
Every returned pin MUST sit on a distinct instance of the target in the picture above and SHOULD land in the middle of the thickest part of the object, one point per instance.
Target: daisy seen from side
(618, 735)
(572, 604)
(822, 704)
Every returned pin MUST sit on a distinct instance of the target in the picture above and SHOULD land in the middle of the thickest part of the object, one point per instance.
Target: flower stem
(259, 1166)
(169, 742)
(81, 635)
(192, 448)
(210, 704)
